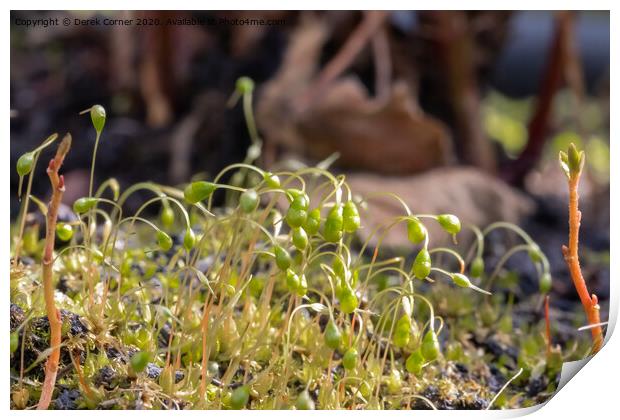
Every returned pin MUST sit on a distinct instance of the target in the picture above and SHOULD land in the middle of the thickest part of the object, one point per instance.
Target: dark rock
(17, 316)
(67, 399)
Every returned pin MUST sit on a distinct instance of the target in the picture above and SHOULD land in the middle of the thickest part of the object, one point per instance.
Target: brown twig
(573, 164)
(551, 82)
(53, 315)
(371, 23)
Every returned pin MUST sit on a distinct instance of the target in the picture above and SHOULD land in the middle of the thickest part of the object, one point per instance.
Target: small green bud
(189, 239)
(283, 258)
(414, 362)
(349, 360)
(64, 231)
(244, 85)
(167, 217)
(575, 159)
(248, 201)
(430, 346)
(164, 241)
(422, 264)
(333, 336)
(544, 283)
(460, 280)
(351, 217)
(198, 191)
(272, 181)
(139, 360)
(240, 397)
(14, 341)
(416, 231)
(304, 401)
(84, 204)
(450, 223)
(334, 224)
(97, 116)
(313, 222)
(24, 163)
(477, 267)
(563, 159)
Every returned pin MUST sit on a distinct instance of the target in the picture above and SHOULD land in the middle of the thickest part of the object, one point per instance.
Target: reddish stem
(571, 256)
(53, 315)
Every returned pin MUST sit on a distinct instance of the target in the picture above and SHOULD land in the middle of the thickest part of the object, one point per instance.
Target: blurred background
(460, 112)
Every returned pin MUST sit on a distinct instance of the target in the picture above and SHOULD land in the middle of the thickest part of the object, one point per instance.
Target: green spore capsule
(333, 336)
(450, 223)
(303, 285)
(283, 258)
(198, 191)
(293, 282)
(84, 204)
(334, 224)
(98, 116)
(300, 238)
(296, 216)
(244, 85)
(164, 241)
(293, 193)
(313, 222)
(14, 341)
(139, 360)
(349, 360)
(422, 264)
(64, 231)
(272, 181)
(460, 280)
(402, 331)
(189, 239)
(351, 217)
(535, 253)
(24, 163)
(416, 231)
(248, 201)
(304, 401)
(544, 283)
(414, 362)
(240, 397)
(167, 217)
(477, 267)
(348, 300)
(430, 346)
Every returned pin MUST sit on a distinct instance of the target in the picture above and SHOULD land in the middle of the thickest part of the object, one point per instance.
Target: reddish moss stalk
(53, 315)
(571, 256)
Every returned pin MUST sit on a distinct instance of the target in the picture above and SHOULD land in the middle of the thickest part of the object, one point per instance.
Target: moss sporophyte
(212, 307)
